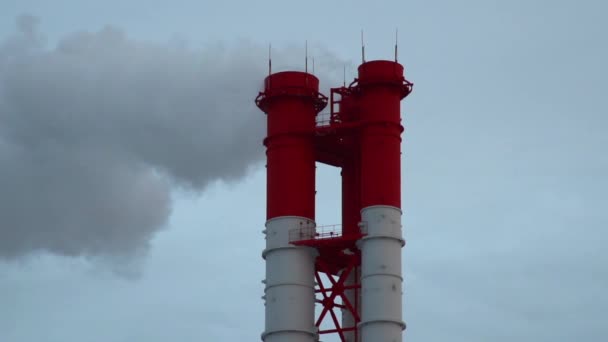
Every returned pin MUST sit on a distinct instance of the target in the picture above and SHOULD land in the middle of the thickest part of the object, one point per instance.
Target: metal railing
(315, 233)
(323, 119)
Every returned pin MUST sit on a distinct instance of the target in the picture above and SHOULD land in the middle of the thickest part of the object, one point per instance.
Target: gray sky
(504, 170)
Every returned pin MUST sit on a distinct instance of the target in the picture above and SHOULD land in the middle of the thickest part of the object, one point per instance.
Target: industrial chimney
(355, 268)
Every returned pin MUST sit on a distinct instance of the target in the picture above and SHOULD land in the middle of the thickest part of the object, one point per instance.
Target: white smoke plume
(96, 130)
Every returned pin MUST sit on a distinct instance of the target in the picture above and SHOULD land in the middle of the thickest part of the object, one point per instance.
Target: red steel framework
(361, 135)
(337, 257)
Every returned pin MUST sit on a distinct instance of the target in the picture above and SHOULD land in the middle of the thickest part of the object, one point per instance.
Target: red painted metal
(381, 86)
(351, 210)
(291, 100)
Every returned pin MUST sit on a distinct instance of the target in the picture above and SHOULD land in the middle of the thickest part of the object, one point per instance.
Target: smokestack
(381, 89)
(361, 262)
(291, 100)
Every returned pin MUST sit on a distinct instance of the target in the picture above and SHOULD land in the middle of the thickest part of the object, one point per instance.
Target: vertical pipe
(351, 207)
(351, 216)
(291, 101)
(380, 93)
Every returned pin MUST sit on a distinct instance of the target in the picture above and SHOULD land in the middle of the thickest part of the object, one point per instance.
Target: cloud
(96, 131)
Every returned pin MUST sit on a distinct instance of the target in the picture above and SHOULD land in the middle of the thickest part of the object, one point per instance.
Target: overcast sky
(133, 186)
